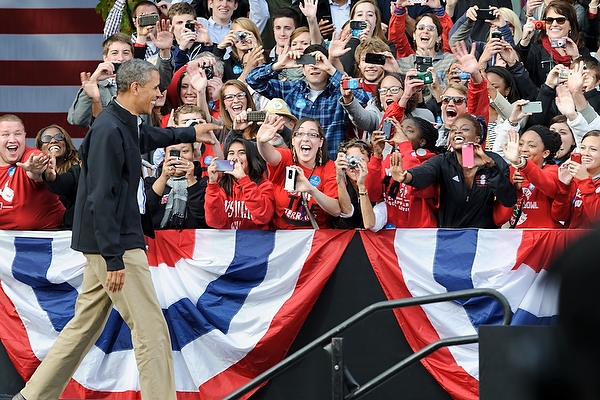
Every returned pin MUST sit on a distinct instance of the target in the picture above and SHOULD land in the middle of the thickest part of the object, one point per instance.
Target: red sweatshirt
(397, 34)
(250, 206)
(536, 196)
(578, 203)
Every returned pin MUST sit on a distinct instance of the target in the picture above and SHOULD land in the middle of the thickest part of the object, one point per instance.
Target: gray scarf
(176, 203)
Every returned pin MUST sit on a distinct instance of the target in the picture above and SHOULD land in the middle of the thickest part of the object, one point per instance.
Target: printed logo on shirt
(481, 180)
(300, 103)
(7, 193)
(295, 213)
(455, 178)
(237, 209)
(11, 171)
(237, 69)
(598, 189)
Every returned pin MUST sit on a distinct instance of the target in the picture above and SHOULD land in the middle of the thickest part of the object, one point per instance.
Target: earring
(294, 158)
(320, 156)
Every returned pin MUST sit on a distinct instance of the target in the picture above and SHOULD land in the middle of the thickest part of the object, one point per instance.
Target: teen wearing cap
(242, 198)
(315, 195)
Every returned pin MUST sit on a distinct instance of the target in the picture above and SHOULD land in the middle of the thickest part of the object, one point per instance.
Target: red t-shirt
(578, 203)
(289, 212)
(250, 206)
(26, 204)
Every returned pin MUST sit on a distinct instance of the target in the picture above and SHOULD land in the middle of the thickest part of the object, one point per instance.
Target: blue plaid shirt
(326, 108)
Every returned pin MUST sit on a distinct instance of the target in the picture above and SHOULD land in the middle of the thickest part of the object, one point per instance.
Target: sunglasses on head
(48, 138)
(559, 20)
(457, 100)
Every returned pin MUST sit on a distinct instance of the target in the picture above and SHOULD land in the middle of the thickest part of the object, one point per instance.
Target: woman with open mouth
(303, 176)
(578, 200)
(535, 176)
(62, 173)
(470, 184)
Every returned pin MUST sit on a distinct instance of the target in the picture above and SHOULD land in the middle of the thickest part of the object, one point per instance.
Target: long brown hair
(226, 118)
(377, 31)
(70, 158)
(568, 11)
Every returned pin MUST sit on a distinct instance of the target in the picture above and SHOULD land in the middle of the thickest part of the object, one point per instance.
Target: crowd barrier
(236, 302)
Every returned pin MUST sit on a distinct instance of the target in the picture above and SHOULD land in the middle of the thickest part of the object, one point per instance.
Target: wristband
(521, 164)
(363, 193)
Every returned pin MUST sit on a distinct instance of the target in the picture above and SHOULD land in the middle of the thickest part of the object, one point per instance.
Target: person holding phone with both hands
(468, 193)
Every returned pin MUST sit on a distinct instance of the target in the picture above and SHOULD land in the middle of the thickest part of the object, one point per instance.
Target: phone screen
(387, 130)
(534, 107)
(306, 59)
(468, 156)
(224, 165)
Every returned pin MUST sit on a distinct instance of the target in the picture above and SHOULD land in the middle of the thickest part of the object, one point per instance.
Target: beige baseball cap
(278, 106)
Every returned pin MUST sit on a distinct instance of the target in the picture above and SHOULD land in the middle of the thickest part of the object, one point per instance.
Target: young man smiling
(315, 96)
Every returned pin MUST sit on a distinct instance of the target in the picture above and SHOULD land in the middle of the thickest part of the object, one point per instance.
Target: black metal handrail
(382, 305)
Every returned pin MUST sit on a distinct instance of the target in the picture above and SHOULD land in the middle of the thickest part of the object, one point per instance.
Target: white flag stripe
(51, 47)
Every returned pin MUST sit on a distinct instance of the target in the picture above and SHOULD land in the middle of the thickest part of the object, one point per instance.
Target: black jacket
(195, 202)
(65, 186)
(107, 219)
(461, 207)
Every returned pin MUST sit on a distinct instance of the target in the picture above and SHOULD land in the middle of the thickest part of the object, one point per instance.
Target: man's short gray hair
(134, 70)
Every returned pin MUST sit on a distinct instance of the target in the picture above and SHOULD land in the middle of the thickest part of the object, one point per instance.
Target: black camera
(117, 66)
(358, 25)
(353, 161)
(191, 26)
(174, 153)
(496, 35)
(147, 20)
(209, 71)
(422, 63)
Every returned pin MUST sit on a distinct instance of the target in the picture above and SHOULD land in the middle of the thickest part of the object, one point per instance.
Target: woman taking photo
(303, 176)
(578, 200)
(403, 206)
(558, 43)
(235, 101)
(62, 173)
(176, 198)
(241, 198)
(469, 186)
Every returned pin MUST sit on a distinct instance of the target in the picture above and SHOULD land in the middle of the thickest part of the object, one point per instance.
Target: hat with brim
(278, 106)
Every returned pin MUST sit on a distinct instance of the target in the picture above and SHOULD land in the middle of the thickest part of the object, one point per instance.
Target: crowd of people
(343, 114)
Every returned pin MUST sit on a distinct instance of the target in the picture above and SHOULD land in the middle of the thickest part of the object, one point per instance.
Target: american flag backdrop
(44, 45)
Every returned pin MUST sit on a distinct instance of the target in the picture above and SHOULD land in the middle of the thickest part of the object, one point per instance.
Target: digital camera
(539, 25)
(353, 161)
(426, 77)
(352, 84)
(558, 43)
(241, 35)
(209, 71)
(147, 20)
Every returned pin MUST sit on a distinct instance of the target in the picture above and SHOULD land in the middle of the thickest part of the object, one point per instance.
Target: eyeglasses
(429, 28)
(48, 138)
(239, 96)
(392, 90)
(457, 100)
(559, 20)
(310, 135)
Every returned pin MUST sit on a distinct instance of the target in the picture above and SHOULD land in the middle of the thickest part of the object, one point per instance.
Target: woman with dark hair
(535, 176)
(568, 144)
(559, 43)
(503, 92)
(303, 176)
(241, 198)
(62, 173)
(430, 39)
(403, 206)
(468, 192)
(578, 200)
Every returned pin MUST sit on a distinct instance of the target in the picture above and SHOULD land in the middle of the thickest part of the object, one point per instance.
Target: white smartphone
(533, 107)
(290, 179)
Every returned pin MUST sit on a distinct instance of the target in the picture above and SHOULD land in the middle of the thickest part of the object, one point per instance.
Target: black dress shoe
(18, 396)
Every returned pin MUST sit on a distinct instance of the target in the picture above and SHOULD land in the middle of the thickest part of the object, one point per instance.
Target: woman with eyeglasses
(303, 176)
(430, 39)
(558, 43)
(235, 102)
(471, 181)
(400, 205)
(62, 173)
(578, 199)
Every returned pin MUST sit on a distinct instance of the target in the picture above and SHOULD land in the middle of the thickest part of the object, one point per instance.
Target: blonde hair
(248, 25)
(513, 19)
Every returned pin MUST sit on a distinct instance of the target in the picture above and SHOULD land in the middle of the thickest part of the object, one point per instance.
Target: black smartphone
(146, 20)
(423, 62)
(327, 18)
(387, 129)
(117, 66)
(306, 59)
(496, 35)
(360, 25)
(256, 116)
(174, 153)
(190, 26)
(373, 58)
(485, 14)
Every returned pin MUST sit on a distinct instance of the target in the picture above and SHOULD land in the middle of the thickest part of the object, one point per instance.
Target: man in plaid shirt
(315, 96)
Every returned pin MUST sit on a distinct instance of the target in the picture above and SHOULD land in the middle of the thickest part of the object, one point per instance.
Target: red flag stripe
(36, 73)
(50, 21)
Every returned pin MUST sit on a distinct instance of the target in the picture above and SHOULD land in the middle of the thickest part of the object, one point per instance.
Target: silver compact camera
(558, 43)
(353, 161)
(241, 35)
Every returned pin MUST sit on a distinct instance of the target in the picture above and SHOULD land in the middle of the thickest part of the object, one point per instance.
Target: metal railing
(326, 338)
